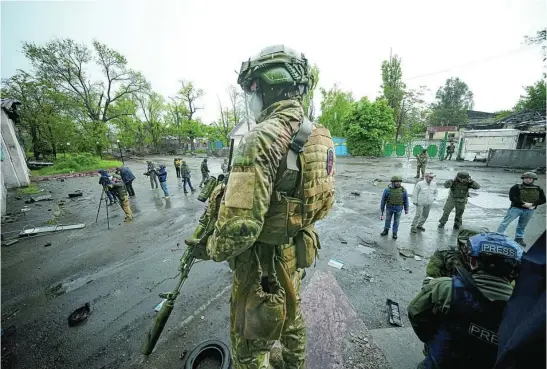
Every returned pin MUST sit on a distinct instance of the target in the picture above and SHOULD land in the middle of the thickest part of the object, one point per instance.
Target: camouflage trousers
(449, 205)
(124, 203)
(255, 354)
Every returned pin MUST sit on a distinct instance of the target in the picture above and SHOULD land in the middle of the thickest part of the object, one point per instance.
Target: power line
(497, 56)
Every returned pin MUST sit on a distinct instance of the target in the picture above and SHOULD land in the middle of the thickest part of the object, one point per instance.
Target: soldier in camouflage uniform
(444, 261)
(457, 197)
(525, 197)
(281, 183)
(422, 163)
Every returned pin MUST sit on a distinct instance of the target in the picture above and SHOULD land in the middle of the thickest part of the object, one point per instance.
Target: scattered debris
(394, 313)
(77, 193)
(60, 227)
(356, 193)
(38, 198)
(335, 263)
(79, 315)
(202, 317)
(25, 209)
(159, 306)
(47, 244)
(417, 258)
(540, 170)
(183, 355)
(9, 242)
(8, 219)
(57, 213)
(365, 250)
(407, 253)
(406, 270)
(342, 240)
(18, 198)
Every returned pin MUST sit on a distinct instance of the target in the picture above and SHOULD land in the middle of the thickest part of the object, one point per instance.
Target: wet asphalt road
(121, 271)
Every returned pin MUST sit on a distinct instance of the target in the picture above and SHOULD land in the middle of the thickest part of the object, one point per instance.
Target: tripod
(105, 205)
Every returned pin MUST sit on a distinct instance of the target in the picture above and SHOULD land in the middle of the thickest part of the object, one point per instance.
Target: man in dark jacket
(127, 178)
(525, 198)
(204, 172)
(185, 174)
(162, 176)
(458, 317)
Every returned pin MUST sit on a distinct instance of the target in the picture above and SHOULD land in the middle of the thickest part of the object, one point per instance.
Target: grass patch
(77, 163)
(31, 189)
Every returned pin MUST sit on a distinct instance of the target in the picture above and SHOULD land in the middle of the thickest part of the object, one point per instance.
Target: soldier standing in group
(185, 174)
(394, 200)
(268, 246)
(204, 172)
(525, 197)
(457, 197)
(127, 177)
(425, 193)
(118, 187)
(422, 163)
(457, 317)
(177, 166)
(449, 151)
(151, 173)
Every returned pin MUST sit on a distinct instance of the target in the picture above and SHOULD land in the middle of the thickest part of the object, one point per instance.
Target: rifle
(201, 234)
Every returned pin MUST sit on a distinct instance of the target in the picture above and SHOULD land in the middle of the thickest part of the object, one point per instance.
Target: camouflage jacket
(422, 159)
(247, 197)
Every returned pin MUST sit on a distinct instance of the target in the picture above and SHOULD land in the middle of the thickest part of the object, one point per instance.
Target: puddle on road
(59, 289)
(487, 200)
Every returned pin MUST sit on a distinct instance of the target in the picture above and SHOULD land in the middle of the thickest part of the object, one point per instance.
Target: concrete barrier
(525, 159)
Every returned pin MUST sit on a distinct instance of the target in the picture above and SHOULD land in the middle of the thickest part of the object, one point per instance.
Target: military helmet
(277, 65)
(464, 175)
(529, 175)
(396, 179)
(497, 253)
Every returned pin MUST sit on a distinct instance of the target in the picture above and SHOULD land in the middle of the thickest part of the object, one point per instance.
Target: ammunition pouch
(307, 244)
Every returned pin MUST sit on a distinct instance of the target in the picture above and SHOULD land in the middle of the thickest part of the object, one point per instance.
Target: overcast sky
(480, 41)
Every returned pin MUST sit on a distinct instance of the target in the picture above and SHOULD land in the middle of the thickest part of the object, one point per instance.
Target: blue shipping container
(340, 147)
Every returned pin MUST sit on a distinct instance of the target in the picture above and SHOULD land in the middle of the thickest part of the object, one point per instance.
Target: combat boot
(520, 241)
(421, 228)
(441, 225)
(413, 230)
(384, 232)
(456, 226)
(394, 235)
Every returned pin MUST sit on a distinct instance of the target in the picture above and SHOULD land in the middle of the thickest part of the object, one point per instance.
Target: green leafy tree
(335, 104)
(190, 96)
(539, 39)
(152, 107)
(451, 104)
(502, 114)
(65, 65)
(534, 99)
(394, 90)
(367, 125)
(309, 108)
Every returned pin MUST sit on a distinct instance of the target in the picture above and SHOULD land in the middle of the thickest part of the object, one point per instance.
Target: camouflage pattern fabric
(126, 208)
(444, 261)
(242, 216)
(255, 354)
(449, 205)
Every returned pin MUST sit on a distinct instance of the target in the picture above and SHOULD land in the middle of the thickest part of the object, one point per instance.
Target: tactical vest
(395, 196)
(459, 190)
(467, 337)
(529, 193)
(303, 193)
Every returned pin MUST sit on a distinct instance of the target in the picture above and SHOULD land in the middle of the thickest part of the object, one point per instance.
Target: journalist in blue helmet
(457, 317)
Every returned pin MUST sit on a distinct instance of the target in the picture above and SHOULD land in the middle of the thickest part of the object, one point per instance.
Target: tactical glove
(199, 250)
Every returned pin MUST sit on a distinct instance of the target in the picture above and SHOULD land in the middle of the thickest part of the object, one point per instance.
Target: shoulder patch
(330, 160)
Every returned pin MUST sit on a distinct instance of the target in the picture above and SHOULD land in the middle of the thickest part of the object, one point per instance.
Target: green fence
(413, 148)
